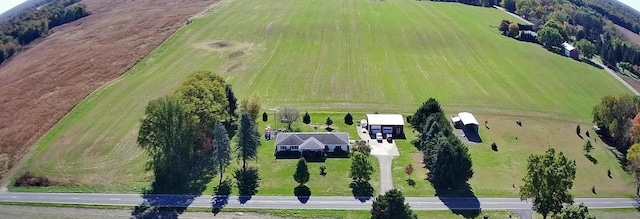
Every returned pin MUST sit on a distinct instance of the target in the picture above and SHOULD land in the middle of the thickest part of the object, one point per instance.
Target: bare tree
(289, 114)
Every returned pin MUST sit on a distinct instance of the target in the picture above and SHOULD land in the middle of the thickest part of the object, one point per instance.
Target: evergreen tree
(221, 148)
(248, 140)
(302, 172)
(306, 119)
(391, 206)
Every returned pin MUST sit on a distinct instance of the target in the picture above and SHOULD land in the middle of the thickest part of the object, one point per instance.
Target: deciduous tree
(302, 172)
(248, 140)
(614, 116)
(205, 97)
(391, 205)
(633, 164)
(221, 148)
(635, 129)
(408, 170)
(361, 168)
(547, 182)
(166, 135)
(587, 48)
(550, 37)
(288, 115)
(252, 105)
(514, 29)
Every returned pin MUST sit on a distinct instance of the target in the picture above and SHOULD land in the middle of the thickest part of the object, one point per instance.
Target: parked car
(379, 137)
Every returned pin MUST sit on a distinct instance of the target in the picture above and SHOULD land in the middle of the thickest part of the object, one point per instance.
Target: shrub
(494, 147)
(30, 180)
(329, 122)
(323, 169)
(265, 117)
(348, 119)
(339, 152)
(362, 147)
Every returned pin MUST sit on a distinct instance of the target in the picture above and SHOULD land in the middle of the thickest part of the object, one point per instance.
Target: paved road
(615, 75)
(292, 202)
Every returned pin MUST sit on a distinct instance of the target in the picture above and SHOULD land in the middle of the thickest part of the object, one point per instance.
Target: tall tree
(252, 105)
(510, 5)
(587, 48)
(233, 102)
(361, 168)
(302, 172)
(289, 115)
(391, 205)
(429, 107)
(575, 212)
(514, 29)
(165, 134)
(221, 148)
(248, 140)
(306, 119)
(633, 164)
(547, 182)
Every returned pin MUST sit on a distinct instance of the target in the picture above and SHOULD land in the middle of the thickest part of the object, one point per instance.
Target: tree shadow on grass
(460, 200)
(169, 201)
(303, 193)
(248, 182)
(591, 158)
(362, 191)
(588, 61)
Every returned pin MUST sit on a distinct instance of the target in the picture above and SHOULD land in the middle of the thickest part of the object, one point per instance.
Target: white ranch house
(312, 141)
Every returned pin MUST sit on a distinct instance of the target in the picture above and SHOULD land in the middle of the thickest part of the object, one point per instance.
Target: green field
(336, 55)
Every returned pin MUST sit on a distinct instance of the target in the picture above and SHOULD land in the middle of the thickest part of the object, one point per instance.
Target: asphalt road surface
(292, 202)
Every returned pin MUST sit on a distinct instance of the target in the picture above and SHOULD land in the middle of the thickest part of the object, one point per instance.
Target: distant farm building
(570, 51)
(386, 124)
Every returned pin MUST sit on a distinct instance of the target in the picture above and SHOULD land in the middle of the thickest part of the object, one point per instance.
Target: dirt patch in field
(40, 85)
(222, 45)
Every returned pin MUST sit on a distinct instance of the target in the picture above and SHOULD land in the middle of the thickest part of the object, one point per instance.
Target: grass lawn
(614, 213)
(367, 214)
(367, 56)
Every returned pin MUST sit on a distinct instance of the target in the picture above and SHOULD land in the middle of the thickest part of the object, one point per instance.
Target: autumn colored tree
(635, 129)
(408, 170)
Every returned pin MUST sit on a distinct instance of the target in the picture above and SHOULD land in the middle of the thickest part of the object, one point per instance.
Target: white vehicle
(379, 136)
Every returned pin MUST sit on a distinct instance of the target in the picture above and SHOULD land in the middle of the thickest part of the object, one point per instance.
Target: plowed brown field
(40, 85)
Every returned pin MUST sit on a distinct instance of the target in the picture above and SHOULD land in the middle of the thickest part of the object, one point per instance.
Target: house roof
(298, 138)
(312, 144)
(467, 118)
(568, 46)
(385, 119)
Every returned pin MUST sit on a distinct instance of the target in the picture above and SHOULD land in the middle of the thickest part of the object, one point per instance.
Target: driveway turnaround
(292, 202)
(385, 152)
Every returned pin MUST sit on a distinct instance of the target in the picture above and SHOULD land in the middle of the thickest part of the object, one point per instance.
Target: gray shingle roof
(297, 138)
(312, 144)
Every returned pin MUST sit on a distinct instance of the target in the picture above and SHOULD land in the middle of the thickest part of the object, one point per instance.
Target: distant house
(386, 124)
(570, 51)
(314, 144)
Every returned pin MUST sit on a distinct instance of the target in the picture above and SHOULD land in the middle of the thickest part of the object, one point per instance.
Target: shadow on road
(362, 191)
(461, 200)
(303, 193)
(169, 201)
(218, 202)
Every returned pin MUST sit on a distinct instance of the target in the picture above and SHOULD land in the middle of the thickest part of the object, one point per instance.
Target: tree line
(485, 3)
(446, 157)
(35, 23)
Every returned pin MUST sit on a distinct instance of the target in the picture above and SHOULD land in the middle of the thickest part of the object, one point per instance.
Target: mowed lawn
(323, 55)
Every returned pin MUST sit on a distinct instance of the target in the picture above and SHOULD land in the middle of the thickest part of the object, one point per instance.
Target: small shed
(570, 51)
(386, 124)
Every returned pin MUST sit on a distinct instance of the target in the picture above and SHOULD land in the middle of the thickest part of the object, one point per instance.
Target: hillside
(326, 55)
